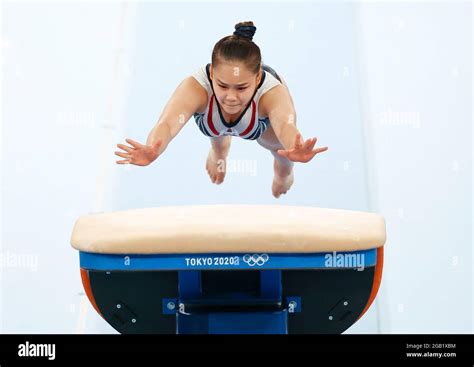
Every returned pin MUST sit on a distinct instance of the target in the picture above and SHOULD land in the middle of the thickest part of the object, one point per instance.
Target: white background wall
(79, 78)
(415, 64)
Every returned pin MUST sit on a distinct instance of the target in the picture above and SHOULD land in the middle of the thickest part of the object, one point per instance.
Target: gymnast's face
(234, 85)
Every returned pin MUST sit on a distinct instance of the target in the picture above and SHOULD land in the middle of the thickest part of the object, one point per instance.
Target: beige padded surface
(228, 228)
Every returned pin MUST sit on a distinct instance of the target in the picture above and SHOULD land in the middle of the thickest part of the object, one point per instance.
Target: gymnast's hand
(138, 154)
(302, 151)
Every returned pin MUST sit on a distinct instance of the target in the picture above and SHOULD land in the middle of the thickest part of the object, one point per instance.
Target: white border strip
(1, 163)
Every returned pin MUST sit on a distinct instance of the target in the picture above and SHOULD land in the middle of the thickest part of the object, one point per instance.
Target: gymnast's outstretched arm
(279, 107)
(188, 98)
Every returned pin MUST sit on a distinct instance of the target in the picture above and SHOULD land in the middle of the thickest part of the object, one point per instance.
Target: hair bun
(245, 31)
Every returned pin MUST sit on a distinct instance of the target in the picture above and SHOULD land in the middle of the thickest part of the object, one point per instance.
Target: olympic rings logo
(256, 259)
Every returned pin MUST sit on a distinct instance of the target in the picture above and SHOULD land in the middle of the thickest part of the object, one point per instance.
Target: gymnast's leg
(216, 159)
(283, 167)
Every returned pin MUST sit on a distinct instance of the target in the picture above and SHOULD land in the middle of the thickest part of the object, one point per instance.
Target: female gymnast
(235, 95)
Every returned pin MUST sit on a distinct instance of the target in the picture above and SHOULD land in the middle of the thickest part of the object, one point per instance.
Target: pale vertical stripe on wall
(109, 127)
(367, 126)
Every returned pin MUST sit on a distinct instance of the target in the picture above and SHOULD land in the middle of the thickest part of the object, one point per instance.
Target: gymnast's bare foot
(216, 164)
(283, 178)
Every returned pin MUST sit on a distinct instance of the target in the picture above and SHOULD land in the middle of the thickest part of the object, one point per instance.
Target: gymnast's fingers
(123, 155)
(309, 144)
(298, 143)
(125, 147)
(320, 150)
(125, 161)
(133, 143)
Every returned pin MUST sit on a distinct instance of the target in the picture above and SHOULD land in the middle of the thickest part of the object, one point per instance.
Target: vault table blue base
(232, 293)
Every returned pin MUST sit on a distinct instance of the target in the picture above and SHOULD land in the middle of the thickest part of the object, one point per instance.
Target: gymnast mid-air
(235, 95)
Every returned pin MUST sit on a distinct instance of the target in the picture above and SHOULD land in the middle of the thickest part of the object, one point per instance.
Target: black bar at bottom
(336, 349)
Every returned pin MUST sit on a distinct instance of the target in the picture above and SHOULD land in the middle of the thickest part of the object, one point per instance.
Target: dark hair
(239, 47)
